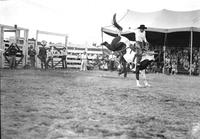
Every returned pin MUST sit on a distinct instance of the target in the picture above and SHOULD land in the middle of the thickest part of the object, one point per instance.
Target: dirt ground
(61, 104)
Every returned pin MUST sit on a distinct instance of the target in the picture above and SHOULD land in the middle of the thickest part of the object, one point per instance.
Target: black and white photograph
(100, 69)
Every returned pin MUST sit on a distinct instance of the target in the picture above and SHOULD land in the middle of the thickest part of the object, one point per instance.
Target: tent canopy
(175, 23)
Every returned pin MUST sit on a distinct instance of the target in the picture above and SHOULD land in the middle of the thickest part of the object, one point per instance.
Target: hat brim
(142, 27)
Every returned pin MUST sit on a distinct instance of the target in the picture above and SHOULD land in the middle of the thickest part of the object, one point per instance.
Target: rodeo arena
(143, 84)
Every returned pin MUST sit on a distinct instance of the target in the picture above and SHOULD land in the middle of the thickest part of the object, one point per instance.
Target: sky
(81, 20)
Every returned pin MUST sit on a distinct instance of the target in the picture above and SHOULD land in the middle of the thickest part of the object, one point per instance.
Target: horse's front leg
(124, 64)
(125, 69)
(145, 79)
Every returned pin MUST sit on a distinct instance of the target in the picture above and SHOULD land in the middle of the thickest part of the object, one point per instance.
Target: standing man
(111, 61)
(84, 58)
(32, 53)
(43, 55)
(50, 53)
(64, 55)
(12, 52)
(141, 44)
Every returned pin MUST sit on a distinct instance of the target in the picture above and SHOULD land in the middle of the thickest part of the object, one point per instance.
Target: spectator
(12, 52)
(43, 55)
(64, 55)
(32, 53)
(84, 59)
(174, 68)
(186, 64)
(111, 61)
(167, 64)
(193, 67)
(104, 64)
(50, 56)
(154, 67)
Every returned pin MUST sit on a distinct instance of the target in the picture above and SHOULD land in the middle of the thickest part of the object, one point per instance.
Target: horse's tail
(116, 24)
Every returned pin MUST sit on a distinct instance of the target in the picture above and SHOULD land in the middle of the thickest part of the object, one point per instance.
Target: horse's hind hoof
(147, 85)
(139, 85)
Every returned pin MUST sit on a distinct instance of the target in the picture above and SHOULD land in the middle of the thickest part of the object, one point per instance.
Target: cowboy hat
(142, 27)
(43, 43)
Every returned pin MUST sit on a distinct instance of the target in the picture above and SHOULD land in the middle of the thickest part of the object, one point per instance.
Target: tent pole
(101, 35)
(191, 43)
(37, 50)
(164, 49)
(66, 49)
(2, 46)
(102, 40)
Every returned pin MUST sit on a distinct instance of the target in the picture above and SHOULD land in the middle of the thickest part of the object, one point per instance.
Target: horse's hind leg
(124, 67)
(137, 77)
(145, 79)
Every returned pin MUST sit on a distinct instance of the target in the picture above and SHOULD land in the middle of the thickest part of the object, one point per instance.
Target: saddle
(140, 50)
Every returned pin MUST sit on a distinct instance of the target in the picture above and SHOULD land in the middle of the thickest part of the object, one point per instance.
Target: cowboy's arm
(145, 39)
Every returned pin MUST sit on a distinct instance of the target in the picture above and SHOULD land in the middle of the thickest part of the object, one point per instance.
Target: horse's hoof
(147, 85)
(133, 70)
(139, 85)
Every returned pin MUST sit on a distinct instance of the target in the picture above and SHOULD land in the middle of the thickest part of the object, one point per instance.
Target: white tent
(164, 21)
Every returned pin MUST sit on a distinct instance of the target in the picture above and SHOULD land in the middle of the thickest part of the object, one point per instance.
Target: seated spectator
(174, 68)
(168, 65)
(154, 67)
(186, 64)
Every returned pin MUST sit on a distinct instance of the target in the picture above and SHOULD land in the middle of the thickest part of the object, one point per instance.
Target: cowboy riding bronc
(141, 44)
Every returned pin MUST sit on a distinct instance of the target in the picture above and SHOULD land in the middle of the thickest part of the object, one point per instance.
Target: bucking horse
(126, 51)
